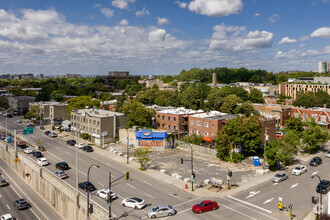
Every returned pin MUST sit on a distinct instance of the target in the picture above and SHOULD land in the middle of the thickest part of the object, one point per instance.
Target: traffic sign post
(28, 130)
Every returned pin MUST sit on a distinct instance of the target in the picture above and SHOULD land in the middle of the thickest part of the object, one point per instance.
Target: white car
(133, 202)
(327, 154)
(61, 174)
(80, 145)
(7, 217)
(299, 170)
(42, 161)
(103, 193)
(28, 150)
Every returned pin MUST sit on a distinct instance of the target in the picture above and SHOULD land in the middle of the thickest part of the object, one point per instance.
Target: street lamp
(315, 175)
(88, 191)
(192, 167)
(127, 145)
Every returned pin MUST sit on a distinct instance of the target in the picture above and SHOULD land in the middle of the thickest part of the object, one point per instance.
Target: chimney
(325, 106)
(214, 79)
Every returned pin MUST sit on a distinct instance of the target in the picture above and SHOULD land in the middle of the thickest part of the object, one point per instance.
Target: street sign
(28, 130)
(16, 160)
(192, 178)
(110, 203)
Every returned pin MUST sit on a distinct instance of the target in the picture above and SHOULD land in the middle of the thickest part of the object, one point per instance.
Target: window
(163, 125)
(306, 115)
(98, 131)
(158, 116)
(212, 125)
(198, 123)
(198, 132)
(296, 115)
(174, 119)
(213, 135)
(192, 131)
(169, 126)
(158, 125)
(169, 118)
(192, 122)
(206, 124)
(94, 122)
(98, 123)
(163, 117)
(174, 127)
(323, 118)
(206, 134)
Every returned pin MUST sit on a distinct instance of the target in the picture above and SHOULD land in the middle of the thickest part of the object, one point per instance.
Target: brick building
(267, 129)
(321, 115)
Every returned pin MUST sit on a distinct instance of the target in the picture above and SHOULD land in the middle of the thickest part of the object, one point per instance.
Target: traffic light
(230, 173)
(127, 175)
(194, 175)
(315, 200)
(17, 138)
(91, 208)
(181, 160)
(38, 141)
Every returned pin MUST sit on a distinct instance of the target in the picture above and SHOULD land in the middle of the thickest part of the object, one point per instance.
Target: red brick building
(321, 115)
(267, 129)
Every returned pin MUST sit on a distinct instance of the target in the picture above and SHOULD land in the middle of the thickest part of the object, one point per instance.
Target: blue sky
(162, 36)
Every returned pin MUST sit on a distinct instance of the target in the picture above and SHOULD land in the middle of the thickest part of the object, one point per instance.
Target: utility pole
(127, 146)
(109, 196)
(192, 178)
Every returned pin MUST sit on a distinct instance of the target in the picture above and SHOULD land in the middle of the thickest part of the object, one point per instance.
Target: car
(79, 145)
(87, 149)
(71, 142)
(325, 186)
(3, 182)
(87, 186)
(30, 126)
(279, 135)
(327, 154)
(21, 204)
(133, 202)
(103, 193)
(61, 174)
(47, 132)
(52, 135)
(298, 170)
(315, 161)
(18, 121)
(161, 211)
(280, 177)
(21, 144)
(8, 115)
(28, 150)
(3, 136)
(7, 217)
(205, 206)
(42, 161)
(62, 166)
(37, 154)
(67, 130)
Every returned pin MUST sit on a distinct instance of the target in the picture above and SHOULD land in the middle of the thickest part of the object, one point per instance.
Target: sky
(153, 37)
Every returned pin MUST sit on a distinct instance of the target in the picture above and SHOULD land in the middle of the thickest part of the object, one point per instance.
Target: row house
(52, 112)
(321, 115)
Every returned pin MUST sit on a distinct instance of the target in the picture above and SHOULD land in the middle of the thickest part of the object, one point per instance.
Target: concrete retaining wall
(197, 148)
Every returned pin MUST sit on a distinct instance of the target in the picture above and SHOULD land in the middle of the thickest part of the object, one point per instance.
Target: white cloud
(107, 12)
(157, 35)
(290, 54)
(181, 4)
(323, 32)
(273, 18)
(123, 22)
(256, 15)
(236, 38)
(215, 8)
(162, 21)
(302, 45)
(121, 4)
(304, 38)
(286, 40)
(142, 13)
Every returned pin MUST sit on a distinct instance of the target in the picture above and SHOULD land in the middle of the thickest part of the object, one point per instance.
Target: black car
(87, 186)
(62, 166)
(67, 130)
(29, 125)
(37, 154)
(3, 136)
(325, 186)
(21, 204)
(315, 161)
(87, 149)
(47, 132)
(8, 115)
(21, 144)
(71, 142)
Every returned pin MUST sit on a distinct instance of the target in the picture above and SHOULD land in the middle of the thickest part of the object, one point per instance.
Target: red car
(205, 206)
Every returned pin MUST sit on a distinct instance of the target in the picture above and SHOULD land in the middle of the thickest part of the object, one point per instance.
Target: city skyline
(162, 37)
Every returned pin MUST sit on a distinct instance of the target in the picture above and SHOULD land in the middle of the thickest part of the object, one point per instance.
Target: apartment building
(207, 124)
(294, 89)
(108, 105)
(52, 112)
(102, 125)
(321, 115)
(281, 113)
(20, 104)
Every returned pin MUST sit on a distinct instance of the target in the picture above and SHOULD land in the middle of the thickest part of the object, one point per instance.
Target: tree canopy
(137, 114)
(81, 102)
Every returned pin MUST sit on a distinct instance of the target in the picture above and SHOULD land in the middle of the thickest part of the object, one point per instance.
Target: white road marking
(8, 207)
(253, 193)
(58, 148)
(0, 196)
(187, 201)
(149, 195)
(36, 214)
(68, 152)
(108, 164)
(247, 203)
(175, 196)
(294, 185)
(80, 159)
(147, 183)
(268, 201)
(237, 211)
(314, 173)
(275, 184)
(100, 184)
(131, 185)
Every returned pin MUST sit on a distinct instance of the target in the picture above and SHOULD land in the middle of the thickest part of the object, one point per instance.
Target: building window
(213, 135)
(303, 116)
(198, 132)
(158, 125)
(163, 117)
(94, 131)
(306, 115)
(163, 125)
(296, 115)
(206, 134)
(169, 118)
(98, 123)
(212, 125)
(192, 131)
(174, 119)
(174, 127)
(98, 131)
(169, 126)
(323, 118)
(158, 116)
(198, 123)
(206, 124)
(192, 122)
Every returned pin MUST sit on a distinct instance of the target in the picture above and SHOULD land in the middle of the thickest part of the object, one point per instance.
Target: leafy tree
(313, 136)
(234, 90)
(137, 114)
(167, 98)
(194, 139)
(57, 95)
(33, 112)
(295, 124)
(81, 102)
(215, 99)
(282, 98)
(85, 136)
(222, 145)
(173, 84)
(4, 102)
(255, 96)
(147, 96)
(106, 96)
(142, 156)
(271, 151)
(189, 98)
(246, 109)
(306, 100)
(120, 101)
(230, 103)
(46, 91)
(323, 97)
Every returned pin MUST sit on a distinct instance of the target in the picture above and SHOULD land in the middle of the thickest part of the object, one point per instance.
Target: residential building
(52, 112)
(321, 115)
(117, 75)
(207, 124)
(267, 129)
(102, 125)
(108, 105)
(293, 90)
(20, 104)
(324, 67)
(281, 113)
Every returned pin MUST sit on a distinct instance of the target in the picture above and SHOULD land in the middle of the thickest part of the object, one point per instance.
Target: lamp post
(127, 145)
(192, 167)
(88, 191)
(315, 175)
(77, 177)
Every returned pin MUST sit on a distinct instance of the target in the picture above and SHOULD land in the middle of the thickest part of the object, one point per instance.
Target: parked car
(21, 204)
(161, 211)
(280, 177)
(21, 144)
(52, 135)
(47, 132)
(62, 166)
(279, 135)
(327, 154)
(61, 174)
(28, 150)
(67, 130)
(299, 170)
(30, 126)
(3, 182)
(103, 193)
(37, 154)
(79, 145)
(133, 202)
(3, 136)
(87, 149)
(71, 142)
(324, 186)
(7, 217)
(315, 161)
(42, 161)
(18, 121)
(205, 206)
(87, 186)
(7, 115)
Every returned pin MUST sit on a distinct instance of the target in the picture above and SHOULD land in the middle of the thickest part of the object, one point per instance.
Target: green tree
(215, 99)
(294, 124)
(306, 100)
(230, 103)
(85, 136)
(222, 145)
(255, 96)
(313, 136)
(57, 95)
(137, 114)
(190, 98)
(282, 99)
(246, 109)
(323, 97)
(81, 102)
(33, 112)
(4, 102)
(234, 90)
(194, 139)
(142, 156)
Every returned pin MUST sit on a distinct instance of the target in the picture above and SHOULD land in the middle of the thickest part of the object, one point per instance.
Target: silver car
(327, 154)
(161, 211)
(280, 177)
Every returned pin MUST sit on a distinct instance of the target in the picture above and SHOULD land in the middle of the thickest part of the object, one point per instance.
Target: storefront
(149, 139)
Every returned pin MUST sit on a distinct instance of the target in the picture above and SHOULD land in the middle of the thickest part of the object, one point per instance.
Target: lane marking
(100, 184)
(316, 172)
(294, 185)
(175, 196)
(253, 193)
(238, 212)
(275, 184)
(0, 196)
(268, 201)
(131, 185)
(149, 195)
(36, 213)
(8, 207)
(147, 183)
(108, 164)
(249, 204)
(68, 152)
(58, 148)
(80, 159)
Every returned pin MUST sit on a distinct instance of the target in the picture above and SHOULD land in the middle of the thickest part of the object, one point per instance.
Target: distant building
(52, 112)
(214, 79)
(267, 129)
(293, 90)
(108, 105)
(20, 104)
(324, 67)
(117, 75)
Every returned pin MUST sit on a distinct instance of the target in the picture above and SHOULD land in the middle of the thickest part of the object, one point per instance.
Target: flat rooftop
(99, 113)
